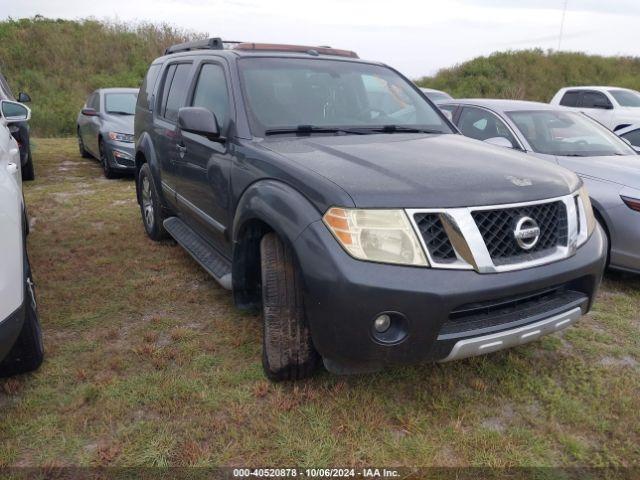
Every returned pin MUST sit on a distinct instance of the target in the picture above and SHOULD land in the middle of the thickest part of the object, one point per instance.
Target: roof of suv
(248, 49)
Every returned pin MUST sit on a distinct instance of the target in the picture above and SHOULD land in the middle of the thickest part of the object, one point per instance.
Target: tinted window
(594, 100)
(568, 133)
(285, 93)
(570, 99)
(148, 84)
(121, 103)
(177, 91)
(633, 137)
(168, 78)
(94, 101)
(626, 98)
(482, 125)
(211, 92)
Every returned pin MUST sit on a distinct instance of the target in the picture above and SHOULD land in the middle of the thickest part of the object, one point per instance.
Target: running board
(208, 257)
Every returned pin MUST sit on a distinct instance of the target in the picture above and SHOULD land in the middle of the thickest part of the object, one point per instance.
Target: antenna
(564, 14)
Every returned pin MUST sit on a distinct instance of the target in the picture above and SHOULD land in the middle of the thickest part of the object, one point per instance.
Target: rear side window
(177, 92)
(595, 100)
(570, 99)
(146, 91)
(633, 137)
(211, 92)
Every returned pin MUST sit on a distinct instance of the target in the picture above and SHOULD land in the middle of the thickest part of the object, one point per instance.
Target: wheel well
(605, 227)
(140, 160)
(246, 264)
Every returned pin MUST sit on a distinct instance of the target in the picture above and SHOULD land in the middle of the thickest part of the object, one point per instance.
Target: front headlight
(121, 137)
(384, 236)
(586, 217)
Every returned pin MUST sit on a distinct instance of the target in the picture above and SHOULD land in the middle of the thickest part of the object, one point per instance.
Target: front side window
(595, 100)
(626, 98)
(94, 102)
(633, 137)
(211, 92)
(481, 124)
(288, 93)
(4, 87)
(120, 103)
(570, 99)
(568, 133)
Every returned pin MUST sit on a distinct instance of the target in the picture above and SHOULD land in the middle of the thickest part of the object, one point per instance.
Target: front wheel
(104, 161)
(28, 352)
(150, 207)
(28, 172)
(287, 350)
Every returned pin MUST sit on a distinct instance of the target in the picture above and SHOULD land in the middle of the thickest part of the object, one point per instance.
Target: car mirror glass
(14, 112)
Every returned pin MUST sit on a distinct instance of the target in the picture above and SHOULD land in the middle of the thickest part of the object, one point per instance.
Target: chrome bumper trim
(471, 347)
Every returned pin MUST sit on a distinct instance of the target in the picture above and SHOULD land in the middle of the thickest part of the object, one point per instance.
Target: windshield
(121, 103)
(568, 133)
(626, 98)
(283, 94)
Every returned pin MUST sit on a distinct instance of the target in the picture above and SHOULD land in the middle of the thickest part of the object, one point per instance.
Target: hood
(118, 123)
(425, 171)
(623, 170)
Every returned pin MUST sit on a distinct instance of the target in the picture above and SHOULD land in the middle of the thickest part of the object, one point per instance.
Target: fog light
(382, 323)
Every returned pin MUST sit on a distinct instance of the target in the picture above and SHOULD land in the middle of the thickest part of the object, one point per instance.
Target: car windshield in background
(332, 96)
(626, 98)
(121, 103)
(568, 133)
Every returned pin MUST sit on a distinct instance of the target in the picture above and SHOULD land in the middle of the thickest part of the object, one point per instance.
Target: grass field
(148, 363)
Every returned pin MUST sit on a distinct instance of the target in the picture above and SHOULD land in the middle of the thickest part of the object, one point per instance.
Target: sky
(418, 37)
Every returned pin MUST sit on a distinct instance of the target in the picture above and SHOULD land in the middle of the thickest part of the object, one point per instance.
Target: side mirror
(14, 112)
(24, 97)
(200, 121)
(89, 112)
(500, 142)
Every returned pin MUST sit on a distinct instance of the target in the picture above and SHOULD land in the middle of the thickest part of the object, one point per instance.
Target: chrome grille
(497, 230)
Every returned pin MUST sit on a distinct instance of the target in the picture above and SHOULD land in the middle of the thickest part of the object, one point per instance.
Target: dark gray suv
(330, 193)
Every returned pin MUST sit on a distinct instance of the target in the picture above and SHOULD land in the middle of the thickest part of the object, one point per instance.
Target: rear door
(203, 187)
(598, 106)
(171, 96)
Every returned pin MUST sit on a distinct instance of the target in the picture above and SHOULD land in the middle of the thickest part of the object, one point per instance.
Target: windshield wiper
(401, 129)
(309, 129)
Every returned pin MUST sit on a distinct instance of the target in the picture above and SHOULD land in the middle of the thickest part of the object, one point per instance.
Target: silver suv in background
(609, 167)
(105, 129)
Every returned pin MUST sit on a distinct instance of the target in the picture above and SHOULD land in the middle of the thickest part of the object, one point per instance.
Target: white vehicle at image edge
(614, 107)
(21, 347)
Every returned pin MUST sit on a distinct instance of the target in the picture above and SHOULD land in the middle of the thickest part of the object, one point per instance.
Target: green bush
(533, 74)
(59, 62)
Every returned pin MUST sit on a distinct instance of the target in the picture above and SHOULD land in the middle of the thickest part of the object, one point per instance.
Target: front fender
(266, 205)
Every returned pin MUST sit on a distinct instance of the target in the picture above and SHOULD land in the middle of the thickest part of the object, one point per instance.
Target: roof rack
(217, 43)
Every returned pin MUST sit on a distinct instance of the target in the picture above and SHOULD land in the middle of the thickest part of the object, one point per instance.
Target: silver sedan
(609, 167)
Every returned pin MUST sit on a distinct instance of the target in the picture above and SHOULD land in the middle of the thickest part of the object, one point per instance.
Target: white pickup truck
(614, 107)
(21, 348)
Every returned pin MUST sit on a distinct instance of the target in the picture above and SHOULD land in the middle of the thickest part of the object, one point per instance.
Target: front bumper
(9, 330)
(121, 155)
(441, 311)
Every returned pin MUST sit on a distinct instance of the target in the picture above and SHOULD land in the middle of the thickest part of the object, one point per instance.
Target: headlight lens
(121, 137)
(384, 236)
(587, 219)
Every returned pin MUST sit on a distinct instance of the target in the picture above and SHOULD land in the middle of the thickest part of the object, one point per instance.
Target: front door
(203, 186)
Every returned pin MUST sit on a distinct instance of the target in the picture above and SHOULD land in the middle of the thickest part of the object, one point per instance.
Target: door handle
(182, 150)
(12, 168)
